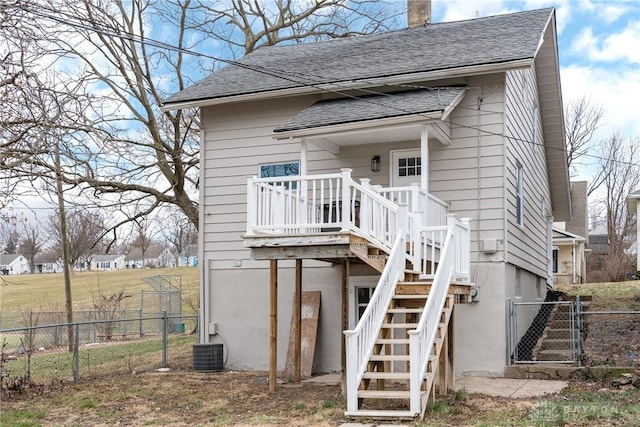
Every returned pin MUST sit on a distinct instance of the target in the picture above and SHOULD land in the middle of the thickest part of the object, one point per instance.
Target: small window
(281, 169)
(519, 195)
(555, 260)
(362, 300)
(410, 166)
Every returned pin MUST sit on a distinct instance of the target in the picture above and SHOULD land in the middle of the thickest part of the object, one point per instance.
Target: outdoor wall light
(375, 164)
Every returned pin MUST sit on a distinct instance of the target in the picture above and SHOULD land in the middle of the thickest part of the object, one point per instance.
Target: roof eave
(353, 84)
(550, 92)
(359, 125)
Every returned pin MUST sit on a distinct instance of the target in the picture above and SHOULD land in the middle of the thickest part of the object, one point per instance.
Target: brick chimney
(418, 13)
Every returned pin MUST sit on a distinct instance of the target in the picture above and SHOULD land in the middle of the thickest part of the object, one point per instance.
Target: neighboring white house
(332, 166)
(48, 262)
(633, 204)
(570, 240)
(188, 257)
(11, 264)
(105, 262)
(154, 257)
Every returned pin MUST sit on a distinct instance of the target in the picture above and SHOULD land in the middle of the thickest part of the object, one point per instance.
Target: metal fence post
(579, 330)
(509, 332)
(164, 338)
(76, 356)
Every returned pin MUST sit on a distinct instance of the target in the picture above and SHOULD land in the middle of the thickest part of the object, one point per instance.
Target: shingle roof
(441, 46)
(349, 110)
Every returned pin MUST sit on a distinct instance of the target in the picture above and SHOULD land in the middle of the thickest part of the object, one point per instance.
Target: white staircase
(395, 352)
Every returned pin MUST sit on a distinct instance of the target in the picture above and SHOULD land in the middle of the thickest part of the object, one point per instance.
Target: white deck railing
(360, 341)
(433, 210)
(421, 340)
(314, 204)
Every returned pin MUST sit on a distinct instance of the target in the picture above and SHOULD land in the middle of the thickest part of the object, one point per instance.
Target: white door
(360, 291)
(406, 167)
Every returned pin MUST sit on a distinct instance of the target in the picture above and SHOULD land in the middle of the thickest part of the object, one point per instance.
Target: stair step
(405, 310)
(559, 333)
(392, 341)
(384, 394)
(386, 375)
(400, 325)
(409, 296)
(382, 413)
(389, 358)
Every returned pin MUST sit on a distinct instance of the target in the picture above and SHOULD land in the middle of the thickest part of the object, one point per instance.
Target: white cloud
(622, 46)
(615, 90)
(610, 13)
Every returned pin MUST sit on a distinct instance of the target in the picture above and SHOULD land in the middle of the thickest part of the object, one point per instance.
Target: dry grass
(45, 292)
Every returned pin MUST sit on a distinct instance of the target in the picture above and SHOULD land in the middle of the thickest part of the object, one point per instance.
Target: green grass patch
(100, 360)
(609, 295)
(22, 418)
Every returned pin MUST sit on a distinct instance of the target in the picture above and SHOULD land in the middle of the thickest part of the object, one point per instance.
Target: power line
(305, 79)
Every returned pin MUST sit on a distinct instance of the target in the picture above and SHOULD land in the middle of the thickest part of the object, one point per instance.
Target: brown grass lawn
(45, 292)
(182, 397)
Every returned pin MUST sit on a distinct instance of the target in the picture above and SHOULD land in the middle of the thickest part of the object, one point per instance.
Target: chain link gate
(544, 332)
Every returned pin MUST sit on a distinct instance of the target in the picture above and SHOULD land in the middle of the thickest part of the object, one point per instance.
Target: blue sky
(599, 50)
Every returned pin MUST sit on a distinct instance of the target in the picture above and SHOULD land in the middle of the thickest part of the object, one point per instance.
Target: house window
(410, 166)
(554, 260)
(519, 195)
(281, 169)
(363, 296)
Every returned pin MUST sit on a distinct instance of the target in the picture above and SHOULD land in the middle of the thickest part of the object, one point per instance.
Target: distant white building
(48, 262)
(188, 257)
(154, 257)
(103, 262)
(11, 264)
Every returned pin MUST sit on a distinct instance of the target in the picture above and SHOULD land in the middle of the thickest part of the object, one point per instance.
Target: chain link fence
(543, 332)
(570, 332)
(41, 354)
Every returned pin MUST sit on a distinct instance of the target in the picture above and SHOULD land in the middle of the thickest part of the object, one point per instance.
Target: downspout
(573, 260)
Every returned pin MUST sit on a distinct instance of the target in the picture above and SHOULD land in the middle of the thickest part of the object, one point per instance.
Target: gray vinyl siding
(469, 173)
(527, 247)
(237, 139)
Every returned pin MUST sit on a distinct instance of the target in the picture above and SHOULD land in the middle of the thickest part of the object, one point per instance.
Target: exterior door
(406, 167)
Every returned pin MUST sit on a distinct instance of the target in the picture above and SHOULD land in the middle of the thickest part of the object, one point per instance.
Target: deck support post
(345, 324)
(451, 383)
(273, 315)
(297, 312)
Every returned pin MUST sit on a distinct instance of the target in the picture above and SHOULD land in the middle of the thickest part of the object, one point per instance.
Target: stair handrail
(360, 341)
(422, 338)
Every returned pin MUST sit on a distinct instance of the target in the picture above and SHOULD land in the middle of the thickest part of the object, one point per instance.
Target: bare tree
(123, 151)
(31, 244)
(582, 119)
(178, 231)
(247, 25)
(143, 237)
(85, 232)
(619, 166)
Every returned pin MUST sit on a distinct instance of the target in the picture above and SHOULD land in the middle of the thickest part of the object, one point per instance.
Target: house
(188, 257)
(396, 174)
(633, 204)
(599, 240)
(106, 262)
(48, 262)
(155, 256)
(569, 240)
(11, 264)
